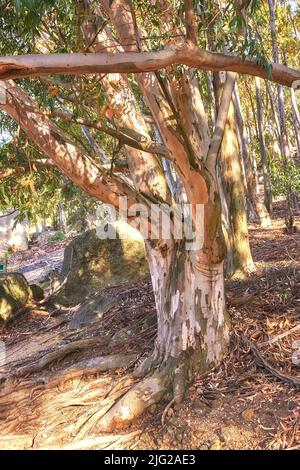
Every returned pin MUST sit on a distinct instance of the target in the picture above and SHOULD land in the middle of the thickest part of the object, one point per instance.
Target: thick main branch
(136, 62)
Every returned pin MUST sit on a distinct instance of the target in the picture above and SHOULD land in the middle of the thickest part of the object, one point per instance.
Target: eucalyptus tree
(143, 77)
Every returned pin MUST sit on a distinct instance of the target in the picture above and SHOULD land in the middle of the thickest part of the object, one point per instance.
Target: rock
(92, 264)
(122, 335)
(14, 294)
(37, 293)
(91, 310)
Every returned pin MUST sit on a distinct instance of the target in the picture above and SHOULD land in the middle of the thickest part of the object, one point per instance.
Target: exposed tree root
(171, 403)
(135, 402)
(86, 424)
(150, 390)
(61, 352)
(93, 366)
(261, 362)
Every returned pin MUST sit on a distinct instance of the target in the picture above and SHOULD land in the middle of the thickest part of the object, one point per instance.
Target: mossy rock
(91, 264)
(14, 294)
(91, 309)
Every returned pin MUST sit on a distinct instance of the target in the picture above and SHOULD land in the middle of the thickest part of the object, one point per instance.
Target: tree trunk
(239, 258)
(263, 152)
(296, 124)
(259, 208)
(193, 327)
(286, 154)
(274, 112)
(280, 91)
(190, 303)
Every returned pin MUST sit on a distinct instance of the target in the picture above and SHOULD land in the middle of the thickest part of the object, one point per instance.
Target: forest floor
(49, 399)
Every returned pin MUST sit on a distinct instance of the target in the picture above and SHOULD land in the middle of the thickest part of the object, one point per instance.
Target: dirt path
(38, 261)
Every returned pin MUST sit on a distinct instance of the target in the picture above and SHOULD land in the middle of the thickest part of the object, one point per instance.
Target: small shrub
(57, 236)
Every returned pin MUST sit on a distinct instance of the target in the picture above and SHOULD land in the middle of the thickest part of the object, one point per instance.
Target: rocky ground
(248, 402)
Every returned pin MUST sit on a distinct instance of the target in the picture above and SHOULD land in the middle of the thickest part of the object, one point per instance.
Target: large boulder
(14, 294)
(91, 264)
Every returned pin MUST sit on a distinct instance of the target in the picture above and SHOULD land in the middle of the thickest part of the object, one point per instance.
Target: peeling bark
(189, 295)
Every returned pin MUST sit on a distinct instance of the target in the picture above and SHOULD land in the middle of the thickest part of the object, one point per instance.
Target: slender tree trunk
(280, 90)
(274, 112)
(259, 208)
(263, 152)
(251, 138)
(282, 122)
(239, 258)
(296, 124)
(253, 113)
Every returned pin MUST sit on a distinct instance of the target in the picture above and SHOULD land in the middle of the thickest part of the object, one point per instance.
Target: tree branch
(34, 65)
(221, 120)
(190, 20)
(124, 135)
(58, 147)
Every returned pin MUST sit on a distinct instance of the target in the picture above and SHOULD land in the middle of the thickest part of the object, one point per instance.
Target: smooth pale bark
(253, 109)
(185, 154)
(259, 208)
(274, 112)
(263, 152)
(252, 155)
(36, 65)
